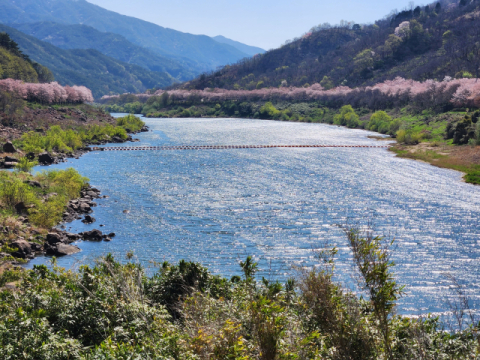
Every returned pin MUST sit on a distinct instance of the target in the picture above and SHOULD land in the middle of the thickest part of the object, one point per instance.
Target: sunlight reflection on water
(218, 206)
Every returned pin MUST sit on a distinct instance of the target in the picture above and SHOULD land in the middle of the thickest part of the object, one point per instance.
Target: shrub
(347, 117)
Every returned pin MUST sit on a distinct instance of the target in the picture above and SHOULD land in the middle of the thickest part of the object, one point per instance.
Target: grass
(69, 140)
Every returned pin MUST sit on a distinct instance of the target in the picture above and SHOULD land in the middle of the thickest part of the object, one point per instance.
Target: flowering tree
(49, 93)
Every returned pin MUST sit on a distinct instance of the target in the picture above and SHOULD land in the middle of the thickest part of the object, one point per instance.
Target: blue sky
(264, 23)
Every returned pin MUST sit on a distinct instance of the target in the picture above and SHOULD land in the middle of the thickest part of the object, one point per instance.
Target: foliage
(25, 165)
(66, 141)
(48, 93)
(409, 43)
(116, 311)
(347, 117)
(62, 185)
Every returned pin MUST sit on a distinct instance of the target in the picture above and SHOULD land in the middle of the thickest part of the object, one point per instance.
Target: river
(278, 205)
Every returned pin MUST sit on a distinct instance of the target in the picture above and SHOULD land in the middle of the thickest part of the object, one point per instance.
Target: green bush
(347, 117)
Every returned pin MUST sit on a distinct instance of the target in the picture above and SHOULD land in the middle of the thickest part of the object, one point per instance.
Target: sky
(263, 23)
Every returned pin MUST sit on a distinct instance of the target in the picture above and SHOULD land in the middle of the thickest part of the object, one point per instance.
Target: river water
(278, 205)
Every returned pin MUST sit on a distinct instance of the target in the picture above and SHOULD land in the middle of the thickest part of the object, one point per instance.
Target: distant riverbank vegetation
(61, 140)
(114, 310)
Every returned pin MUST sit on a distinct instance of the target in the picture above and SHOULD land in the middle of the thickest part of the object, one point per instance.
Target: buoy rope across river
(226, 147)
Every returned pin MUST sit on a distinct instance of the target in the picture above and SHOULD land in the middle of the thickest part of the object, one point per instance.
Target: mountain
(247, 49)
(113, 45)
(204, 52)
(100, 73)
(428, 42)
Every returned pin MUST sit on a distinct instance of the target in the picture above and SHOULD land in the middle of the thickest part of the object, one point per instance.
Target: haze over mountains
(101, 73)
(165, 55)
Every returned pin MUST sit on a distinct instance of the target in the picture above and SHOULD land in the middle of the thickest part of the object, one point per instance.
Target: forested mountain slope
(90, 68)
(14, 64)
(110, 44)
(429, 42)
(205, 52)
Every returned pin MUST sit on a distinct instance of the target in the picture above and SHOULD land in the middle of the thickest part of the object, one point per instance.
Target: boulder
(33, 183)
(9, 148)
(144, 128)
(30, 156)
(94, 235)
(117, 139)
(89, 219)
(85, 208)
(73, 237)
(111, 235)
(36, 247)
(45, 159)
(63, 249)
(54, 238)
(92, 194)
(21, 208)
(23, 249)
(10, 159)
(9, 165)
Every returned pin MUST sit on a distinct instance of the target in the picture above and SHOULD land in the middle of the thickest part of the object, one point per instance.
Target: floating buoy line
(226, 147)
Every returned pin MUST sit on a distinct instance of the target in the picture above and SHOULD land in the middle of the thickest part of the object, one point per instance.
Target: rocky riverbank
(56, 242)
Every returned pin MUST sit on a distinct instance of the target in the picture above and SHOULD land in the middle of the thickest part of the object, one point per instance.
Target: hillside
(205, 53)
(14, 64)
(90, 68)
(110, 44)
(247, 49)
(433, 42)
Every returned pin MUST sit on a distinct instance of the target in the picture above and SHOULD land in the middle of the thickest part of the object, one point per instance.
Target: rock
(9, 165)
(36, 247)
(144, 129)
(45, 159)
(34, 184)
(107, 239)
(88, 220)
(11, 159)
(73, 237)
(30, 156)
(20, 208)
(54, 238)
(94, 235)
(117, 139)
(24, 250)
(95, 190)
(85, 208)
(126, 211)
(92, 194)
(62, 250)
(111, 235)
(9, 148)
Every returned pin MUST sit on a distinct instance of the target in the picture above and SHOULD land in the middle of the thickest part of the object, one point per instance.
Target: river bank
(465, 159)
(33, 206)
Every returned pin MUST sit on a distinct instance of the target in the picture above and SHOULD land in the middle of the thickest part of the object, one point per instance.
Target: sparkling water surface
(218, 206)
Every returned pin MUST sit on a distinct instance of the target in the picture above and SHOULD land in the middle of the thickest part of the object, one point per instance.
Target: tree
(327, 83)
(464, 2)
(438, 7)
(417, 11)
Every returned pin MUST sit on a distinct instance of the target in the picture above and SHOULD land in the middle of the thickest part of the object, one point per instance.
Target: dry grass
(461, 158)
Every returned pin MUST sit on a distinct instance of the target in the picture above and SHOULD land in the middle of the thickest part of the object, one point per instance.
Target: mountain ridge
(100, 73)
(207, 53)
(78, 36)
(247, 49)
